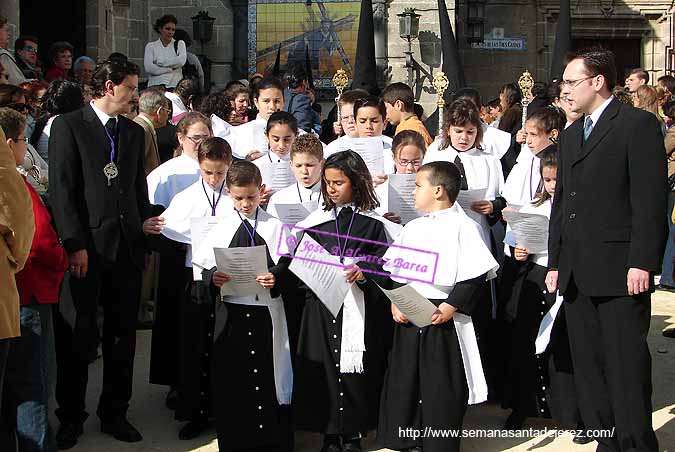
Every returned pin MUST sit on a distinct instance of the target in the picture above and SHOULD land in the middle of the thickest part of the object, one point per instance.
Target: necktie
(588, 127)
(111, 125)
(460, 165)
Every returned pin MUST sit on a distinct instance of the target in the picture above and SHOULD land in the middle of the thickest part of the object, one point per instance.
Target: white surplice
(171, 178)
(271, 230)
(462, 255)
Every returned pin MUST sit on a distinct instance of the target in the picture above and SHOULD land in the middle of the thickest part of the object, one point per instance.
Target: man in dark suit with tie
(607, 235)
(100, 204)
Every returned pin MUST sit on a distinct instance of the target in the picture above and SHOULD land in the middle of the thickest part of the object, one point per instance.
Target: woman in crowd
(163, 60)
(239, 95)
(61, 59)
(62, 96)
(646, 98)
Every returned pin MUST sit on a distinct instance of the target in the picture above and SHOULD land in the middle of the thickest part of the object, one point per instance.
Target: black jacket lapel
(600, 130)
(99, 143)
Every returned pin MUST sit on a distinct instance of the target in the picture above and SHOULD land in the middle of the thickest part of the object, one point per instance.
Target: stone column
(10, 10)
(381, 17)
(240, 42)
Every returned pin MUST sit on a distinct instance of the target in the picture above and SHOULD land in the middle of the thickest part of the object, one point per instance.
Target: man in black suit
(100, 204)
(607, 235)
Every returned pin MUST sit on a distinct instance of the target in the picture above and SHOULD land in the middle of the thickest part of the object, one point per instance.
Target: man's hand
(79, 264)
(443, 314)
(253, 155)
(398, 315)
(637, 281)
(391, 216)
(153, 225)
(552, 281)
(483, 207)
(266, 280)
(220, 278)
(520, 253)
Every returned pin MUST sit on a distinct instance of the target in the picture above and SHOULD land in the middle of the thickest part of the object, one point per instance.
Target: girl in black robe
(328, 397)
(537, 385)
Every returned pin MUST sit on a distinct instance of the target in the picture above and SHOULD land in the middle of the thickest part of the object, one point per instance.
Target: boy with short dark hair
(435, 371)
(400, 102)
(251, 355)
(306, 163)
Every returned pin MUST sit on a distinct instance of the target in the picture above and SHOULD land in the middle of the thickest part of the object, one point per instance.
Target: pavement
(160, 431)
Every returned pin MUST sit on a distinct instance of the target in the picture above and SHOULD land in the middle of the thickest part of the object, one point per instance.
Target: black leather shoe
(515, 421)
(67, 435)
(670, 332)
(581, 438)
(121, 430)
(331, 444)
(352, 446)
(193, 429)
(665, 288)
(172, 399)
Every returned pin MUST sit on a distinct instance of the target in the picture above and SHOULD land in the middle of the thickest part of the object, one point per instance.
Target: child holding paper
(281, 131)
(538, 385)
(409, 148)
(248, 140)
(370, 115)
(306, 163)
(541, 131)
(341, 360)
(205, 198)
(435, 371)
(252, 373)
(461, 144)
(165, 182)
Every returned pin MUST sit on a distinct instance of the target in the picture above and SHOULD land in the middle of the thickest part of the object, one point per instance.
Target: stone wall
(10, 10)
(532, 24)
(126, 27)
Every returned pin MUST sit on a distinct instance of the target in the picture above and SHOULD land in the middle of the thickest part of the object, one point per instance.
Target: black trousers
(612, 367)
(116, 287)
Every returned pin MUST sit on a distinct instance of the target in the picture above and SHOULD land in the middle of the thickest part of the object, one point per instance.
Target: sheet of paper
(530, 230)
(243, 265)
(466, 197)
(199, 229)
(296, 212)
(371, 150)
(414, 306)
(322, 272)
(401, 199)
(276, 175)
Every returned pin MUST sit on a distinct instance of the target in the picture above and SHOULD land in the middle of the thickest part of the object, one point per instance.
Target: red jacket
(47, 262)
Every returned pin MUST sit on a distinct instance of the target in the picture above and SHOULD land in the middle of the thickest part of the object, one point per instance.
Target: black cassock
(248, 415)
(324, 399)
(536, 385)
(172, 279)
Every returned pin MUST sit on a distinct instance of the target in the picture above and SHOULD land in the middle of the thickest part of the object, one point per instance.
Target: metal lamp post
(408, 29)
